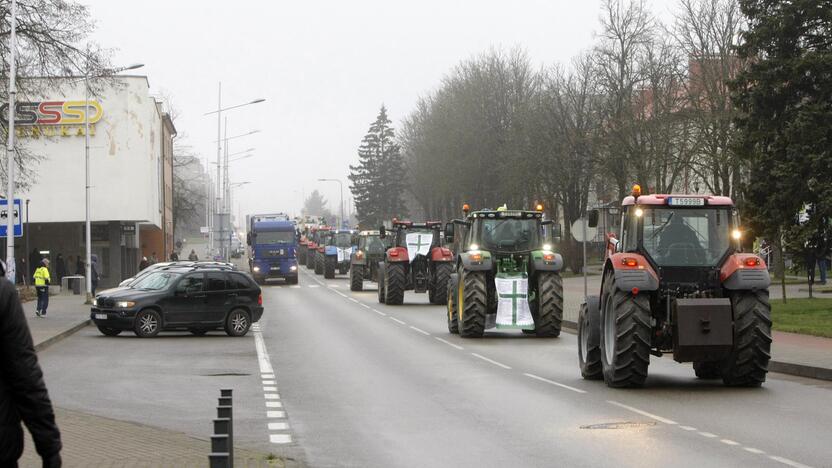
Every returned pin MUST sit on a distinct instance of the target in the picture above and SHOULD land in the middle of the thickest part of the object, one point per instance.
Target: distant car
(196, 299)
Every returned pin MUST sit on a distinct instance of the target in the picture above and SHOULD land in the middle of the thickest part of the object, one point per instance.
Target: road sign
(578, 231)
(4, 216)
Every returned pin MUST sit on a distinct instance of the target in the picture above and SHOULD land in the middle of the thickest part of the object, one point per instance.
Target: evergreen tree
(315, 205)
(378, 180)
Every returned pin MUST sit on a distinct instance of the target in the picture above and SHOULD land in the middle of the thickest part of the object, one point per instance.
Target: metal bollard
(226, 392)
(225, 400)
(218, 460)
(222, 426)
(219, 444)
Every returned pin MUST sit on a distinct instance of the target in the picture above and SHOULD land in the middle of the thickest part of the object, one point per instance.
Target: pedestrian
(810, 258)
(822, 252)
(143, 264)
(23, 394)
(174, 257)
(193, 256)
(94, 274)
(79, 267)
(60, 267)
(42, 280)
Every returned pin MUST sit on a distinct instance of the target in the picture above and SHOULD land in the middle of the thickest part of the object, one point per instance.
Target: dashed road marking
(278, 426)
(552, 382)
(687, 428)
(449, 343)
(708, 435)
(397, 320)
(269, 389)
(365, 306)
(786, 461)
(274, 404)
(267, 376)
(275, 414)
(379, 312)
(313, 286)
(420, 330)
(643, 413)
(295, 287)
(272, 396)
(268, 382)
(270, 392)
(729, 442)
(498, 364)
(353, 299)
(280, 438)
(753, 450)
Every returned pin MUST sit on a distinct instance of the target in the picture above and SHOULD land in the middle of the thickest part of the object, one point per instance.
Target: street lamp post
(87, 222)
(341, 186)
(10, 267)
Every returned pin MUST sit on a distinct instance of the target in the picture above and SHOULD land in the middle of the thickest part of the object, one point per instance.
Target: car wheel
(108, 330)
(237, 323)
(148, 323)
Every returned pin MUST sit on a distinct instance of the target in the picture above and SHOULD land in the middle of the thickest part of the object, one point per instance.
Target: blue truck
(273, 243)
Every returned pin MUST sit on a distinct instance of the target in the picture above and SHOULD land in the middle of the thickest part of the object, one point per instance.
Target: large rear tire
(452, 312)
(310, 259)
(380, 282)
(549, 308)
(302, 254)
(357, 278)
(589, 339)
(747, 365)
(330, 264)
(441, 276)
(472, 300)
(625, 337)
(394, 282)
(319, 263)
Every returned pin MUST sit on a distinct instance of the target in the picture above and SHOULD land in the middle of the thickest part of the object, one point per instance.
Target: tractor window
(509, 234)
(374, 245)
(343, 239)
(630, 225)
(686, 237)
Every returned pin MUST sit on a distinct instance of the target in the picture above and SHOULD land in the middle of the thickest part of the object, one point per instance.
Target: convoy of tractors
(675, 280)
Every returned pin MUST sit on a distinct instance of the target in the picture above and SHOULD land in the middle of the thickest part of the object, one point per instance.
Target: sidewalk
(65, 316)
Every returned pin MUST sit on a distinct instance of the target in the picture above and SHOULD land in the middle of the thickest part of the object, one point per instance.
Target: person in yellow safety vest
(42, 279)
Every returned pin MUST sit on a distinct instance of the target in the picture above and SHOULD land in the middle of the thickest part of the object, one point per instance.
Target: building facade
(131, 174)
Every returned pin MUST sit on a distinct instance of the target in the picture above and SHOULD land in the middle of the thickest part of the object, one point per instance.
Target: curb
(60, 336)
(790, 368)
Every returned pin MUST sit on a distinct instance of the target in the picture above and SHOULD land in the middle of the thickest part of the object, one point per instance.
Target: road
(364, 384)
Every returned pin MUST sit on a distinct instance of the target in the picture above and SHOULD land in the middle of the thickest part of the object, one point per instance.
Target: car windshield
(156, 281)
(509, 235)
(687, 237)
(343, 239)
(275, 237)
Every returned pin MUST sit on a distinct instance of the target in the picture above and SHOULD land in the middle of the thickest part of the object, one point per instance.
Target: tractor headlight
(736, 234)
(125, 304)
(639, 212)
(547, 247)
(257, 268)
(473, 247)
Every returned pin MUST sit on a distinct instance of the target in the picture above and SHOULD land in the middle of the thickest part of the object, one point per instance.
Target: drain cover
(620, 425)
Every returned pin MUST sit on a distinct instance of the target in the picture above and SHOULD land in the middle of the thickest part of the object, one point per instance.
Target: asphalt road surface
(364, 384)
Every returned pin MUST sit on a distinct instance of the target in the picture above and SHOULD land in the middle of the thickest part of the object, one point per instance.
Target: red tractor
(677, 282)
(416, 261)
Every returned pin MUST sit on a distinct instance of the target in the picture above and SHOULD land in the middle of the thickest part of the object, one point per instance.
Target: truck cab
(273, 250)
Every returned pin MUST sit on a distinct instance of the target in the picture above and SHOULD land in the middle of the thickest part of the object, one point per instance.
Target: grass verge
(806, 316)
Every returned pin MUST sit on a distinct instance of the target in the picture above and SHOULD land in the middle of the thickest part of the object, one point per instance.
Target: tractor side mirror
(248, 238)
(449, 233)
(382, 231)
(592, 220)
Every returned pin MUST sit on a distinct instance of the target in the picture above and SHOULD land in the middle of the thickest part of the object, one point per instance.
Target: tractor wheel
(707, 369)
(394, 282)
(589, 339)
(439, 288)
(310, 259)
(748, 363)
(453, 314)
(319, 264)
(472, 297)
(549, 308)
(301, 255)
(357, 278)
(329, 266)
(625, 337)
(380, 283)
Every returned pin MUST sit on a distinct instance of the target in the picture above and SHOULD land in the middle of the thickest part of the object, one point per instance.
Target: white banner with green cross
(418, 244)
(513, 302)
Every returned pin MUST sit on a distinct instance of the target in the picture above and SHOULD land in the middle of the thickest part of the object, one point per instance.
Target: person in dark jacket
(23, 394)
(79, 267)
(94, 273)
(60, 268)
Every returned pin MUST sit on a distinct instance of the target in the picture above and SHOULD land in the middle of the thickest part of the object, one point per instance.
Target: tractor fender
(627, 278)
(397, 254)
(539, 263)
(358, 261)
(331, 250)
(735, 274)
(441, 254)
(485, 263)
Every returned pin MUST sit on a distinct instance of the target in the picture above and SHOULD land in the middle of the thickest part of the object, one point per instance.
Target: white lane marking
(278, 426)
(294, 287)
(262, 355)
(353, 299)
(269, 389)
(420, 330)
(275, 414)
(267, 376)
(272, 396)
(786, 461)
(499, 364)
(753, 450)
(557, 384)
(396, 320)
(268, 382)
(334, 286)
(365, 306)
(313, 286)
(643, 413)
(449, 343)
(379, 312)
(274, 404)
(687, 428)
(708, 435)
(280, 438)
(729, 442)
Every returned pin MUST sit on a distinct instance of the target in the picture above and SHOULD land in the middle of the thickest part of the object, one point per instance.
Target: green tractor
(365, 259)
(506, 273)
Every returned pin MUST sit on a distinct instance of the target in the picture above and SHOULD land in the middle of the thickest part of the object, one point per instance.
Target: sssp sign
(53, 118)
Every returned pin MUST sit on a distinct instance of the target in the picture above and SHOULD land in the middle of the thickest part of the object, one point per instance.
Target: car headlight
(256, 268)
(95, 302)
(125, 304)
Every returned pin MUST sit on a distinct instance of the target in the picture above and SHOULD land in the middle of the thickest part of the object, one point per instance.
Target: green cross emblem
(418, 243)
(514, 296)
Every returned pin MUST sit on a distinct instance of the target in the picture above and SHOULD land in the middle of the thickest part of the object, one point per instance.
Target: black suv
(193, 299)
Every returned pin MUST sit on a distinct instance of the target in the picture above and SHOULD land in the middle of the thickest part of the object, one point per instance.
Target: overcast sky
(324, 68)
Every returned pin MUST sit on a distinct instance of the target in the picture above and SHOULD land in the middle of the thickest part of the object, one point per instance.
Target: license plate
(275, 268)
(101, 316)
(686, 201)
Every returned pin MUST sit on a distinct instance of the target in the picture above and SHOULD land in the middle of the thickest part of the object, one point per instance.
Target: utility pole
(10, 266)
